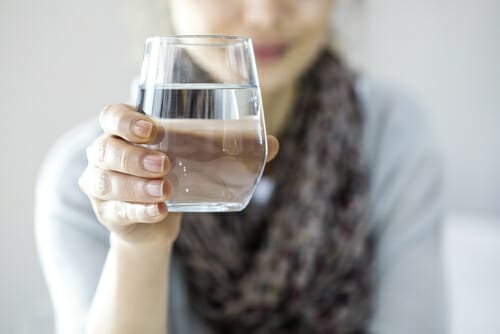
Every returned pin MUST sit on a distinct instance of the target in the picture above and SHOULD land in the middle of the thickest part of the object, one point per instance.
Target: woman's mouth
(266, 52)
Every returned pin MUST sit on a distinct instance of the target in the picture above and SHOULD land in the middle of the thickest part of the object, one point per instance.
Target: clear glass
(204, 95)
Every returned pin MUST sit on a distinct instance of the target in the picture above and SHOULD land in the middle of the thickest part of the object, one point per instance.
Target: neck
(277, 107)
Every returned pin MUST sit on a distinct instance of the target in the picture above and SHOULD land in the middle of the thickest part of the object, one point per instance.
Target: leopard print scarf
(301, 263)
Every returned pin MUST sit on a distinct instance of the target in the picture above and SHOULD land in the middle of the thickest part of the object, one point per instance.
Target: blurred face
(287, 34)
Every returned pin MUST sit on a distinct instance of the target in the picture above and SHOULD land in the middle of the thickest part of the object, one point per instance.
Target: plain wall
(61, 61)
(448, 53)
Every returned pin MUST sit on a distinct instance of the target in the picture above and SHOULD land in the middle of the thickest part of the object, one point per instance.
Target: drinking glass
(203, 93)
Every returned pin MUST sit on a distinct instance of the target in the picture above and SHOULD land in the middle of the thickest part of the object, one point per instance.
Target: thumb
(273, 147)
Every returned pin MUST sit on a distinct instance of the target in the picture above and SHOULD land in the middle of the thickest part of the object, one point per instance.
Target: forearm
(133, 291)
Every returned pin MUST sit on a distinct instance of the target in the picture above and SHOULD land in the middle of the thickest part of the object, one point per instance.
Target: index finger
(125, 122)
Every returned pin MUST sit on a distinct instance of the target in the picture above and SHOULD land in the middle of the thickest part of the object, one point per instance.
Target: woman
(342, 235)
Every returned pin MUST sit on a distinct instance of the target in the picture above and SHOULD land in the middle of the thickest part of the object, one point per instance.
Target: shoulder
(67, 155)
(57, 195)
(76, 139)
(403, 159)
(395, 121)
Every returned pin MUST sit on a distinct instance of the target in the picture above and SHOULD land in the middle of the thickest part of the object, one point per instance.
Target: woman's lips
(268, 52)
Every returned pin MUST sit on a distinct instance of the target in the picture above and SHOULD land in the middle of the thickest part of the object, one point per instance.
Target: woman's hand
(126, 183)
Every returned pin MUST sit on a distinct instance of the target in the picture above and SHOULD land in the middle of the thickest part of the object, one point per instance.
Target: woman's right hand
(126, 183)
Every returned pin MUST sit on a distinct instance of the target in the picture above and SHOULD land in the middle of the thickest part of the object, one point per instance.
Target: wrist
(156, 247)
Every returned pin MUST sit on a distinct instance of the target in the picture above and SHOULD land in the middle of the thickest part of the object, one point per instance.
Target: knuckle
(125, 122)
(110, 118)
(130, 188)
(152, 213)
(100, 148)
(121, 211)
(97, 151)
(104, 111)
(102, 186)
(132, 211)
(139, 212)
(104, 115)
(124, 157)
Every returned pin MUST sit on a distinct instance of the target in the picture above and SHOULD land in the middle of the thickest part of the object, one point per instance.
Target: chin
(273, 76)
(270, 83)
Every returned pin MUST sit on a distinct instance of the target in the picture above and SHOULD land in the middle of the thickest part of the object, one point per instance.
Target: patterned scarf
(300, 263)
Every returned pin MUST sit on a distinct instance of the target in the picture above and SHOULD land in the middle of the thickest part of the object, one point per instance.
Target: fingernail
(143, 128)
(154, 163)
(155, 188)
(152, 210)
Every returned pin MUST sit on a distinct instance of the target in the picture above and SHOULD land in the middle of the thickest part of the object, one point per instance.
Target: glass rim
(202, 40)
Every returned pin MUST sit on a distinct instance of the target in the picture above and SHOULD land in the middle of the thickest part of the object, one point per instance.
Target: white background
(62, 60)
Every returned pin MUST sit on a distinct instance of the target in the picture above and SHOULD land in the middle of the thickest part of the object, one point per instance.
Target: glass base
(205, 207)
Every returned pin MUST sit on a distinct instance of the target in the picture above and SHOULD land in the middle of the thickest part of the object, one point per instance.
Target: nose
(262, 13)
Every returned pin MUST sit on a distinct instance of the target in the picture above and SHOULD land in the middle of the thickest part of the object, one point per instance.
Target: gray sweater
(405, 216)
